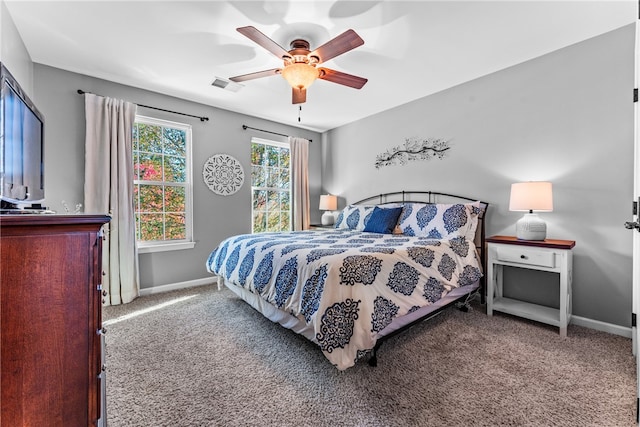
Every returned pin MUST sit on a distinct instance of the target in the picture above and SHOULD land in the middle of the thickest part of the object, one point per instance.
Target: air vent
(226, 84)
(220, 83)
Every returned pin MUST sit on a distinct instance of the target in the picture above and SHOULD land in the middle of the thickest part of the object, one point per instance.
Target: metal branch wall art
(414, 149)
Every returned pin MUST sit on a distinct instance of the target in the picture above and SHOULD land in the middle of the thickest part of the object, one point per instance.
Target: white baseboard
(601, 326)
(180, 285)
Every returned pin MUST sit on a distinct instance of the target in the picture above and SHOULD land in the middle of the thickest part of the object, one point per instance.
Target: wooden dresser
(51, 320)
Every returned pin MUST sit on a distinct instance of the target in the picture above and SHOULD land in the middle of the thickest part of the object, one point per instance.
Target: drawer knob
(523, 256)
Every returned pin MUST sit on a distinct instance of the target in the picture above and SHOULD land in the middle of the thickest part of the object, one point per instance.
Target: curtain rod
(245, 127)
(202, 119)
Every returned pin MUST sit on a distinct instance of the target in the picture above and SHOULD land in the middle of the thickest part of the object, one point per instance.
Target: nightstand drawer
(526, 256)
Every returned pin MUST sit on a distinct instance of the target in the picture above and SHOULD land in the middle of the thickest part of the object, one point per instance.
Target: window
(270, 186)
(162, 184)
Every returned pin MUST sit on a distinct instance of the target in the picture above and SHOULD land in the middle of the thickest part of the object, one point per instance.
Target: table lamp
(529, 197)
(328, 203)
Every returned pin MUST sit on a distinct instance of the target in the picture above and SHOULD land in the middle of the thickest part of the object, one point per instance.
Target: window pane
(150, 167)
(257, 154)
(137, 226)
(151, 227)
(273, 221)
(258, 176)
(174, 142)
(259, 200)
(174, 199)
(273, 200)
(150, 138)
(284, 201)
(175, 226)
(151, 198)
(134, 140)
(273, 179)
(272, 155)
(174, 169)
(136, 201)
(284, 179)
(284, 158)
(136, 166)
(259, 221)
(284, 221)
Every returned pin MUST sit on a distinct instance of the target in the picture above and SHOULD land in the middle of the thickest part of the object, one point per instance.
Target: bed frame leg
(373, 360)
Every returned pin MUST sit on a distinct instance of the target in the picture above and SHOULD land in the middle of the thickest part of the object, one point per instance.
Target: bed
(391, 261)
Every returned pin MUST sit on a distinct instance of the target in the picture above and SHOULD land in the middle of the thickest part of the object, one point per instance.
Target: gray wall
(566, 117)
(215, 217)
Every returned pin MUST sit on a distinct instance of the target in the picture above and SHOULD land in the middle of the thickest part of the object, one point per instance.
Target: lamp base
(531, 227)
(327, 218)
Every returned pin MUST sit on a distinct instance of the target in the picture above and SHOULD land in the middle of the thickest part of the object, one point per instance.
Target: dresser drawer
(526, 256)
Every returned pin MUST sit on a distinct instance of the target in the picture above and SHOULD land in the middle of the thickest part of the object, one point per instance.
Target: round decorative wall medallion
(223, 174)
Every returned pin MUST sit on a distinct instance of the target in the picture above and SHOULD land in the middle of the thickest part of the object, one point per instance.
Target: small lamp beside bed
(529, 197)
(328, 204)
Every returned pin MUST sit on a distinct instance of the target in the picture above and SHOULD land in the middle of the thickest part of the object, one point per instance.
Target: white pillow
(354, 217)
(440, 221)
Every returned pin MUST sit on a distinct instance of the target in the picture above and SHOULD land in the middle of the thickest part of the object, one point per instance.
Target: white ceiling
(412, 49)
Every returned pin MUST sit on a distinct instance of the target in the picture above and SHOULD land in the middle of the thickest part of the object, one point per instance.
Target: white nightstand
(546, 255)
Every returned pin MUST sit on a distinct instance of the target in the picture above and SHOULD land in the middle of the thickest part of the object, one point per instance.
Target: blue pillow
(383, 220)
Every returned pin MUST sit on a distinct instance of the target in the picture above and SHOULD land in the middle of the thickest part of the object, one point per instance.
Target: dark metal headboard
(436, 197)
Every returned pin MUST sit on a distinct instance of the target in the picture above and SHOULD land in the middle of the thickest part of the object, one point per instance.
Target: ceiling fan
(300, 64)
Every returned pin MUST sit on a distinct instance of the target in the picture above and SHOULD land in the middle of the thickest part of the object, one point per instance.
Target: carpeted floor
(206, 358)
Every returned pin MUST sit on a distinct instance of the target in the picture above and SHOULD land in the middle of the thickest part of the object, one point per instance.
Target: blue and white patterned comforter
(347, 284)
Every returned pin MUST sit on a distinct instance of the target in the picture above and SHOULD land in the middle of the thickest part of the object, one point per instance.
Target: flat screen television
(21, 147)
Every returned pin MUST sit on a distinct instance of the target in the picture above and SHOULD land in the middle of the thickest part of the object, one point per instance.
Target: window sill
(164, 247)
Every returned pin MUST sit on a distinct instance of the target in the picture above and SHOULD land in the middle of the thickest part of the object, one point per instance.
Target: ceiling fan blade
(337, 46)
(342, 78)
(299, 96)
(256, 75)
(264, 41)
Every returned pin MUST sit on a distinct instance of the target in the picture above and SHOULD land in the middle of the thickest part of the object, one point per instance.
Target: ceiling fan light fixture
(300, 75)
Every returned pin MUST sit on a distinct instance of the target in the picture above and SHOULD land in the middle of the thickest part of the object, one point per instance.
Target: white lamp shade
(328, 202)
(531, 196)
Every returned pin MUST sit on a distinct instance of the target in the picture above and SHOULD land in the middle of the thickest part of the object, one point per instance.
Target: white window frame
(281, 145)
(188, 242)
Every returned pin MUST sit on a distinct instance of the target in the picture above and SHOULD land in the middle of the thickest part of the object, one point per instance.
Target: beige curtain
(108, 188)
(300, 182)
